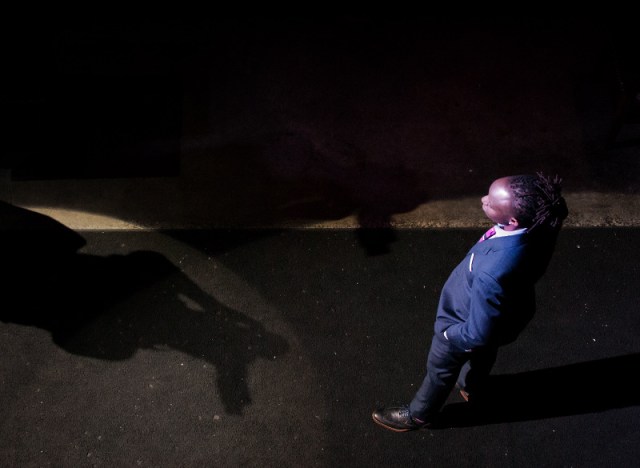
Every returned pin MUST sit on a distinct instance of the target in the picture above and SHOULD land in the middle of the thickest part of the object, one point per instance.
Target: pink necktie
(488, 234)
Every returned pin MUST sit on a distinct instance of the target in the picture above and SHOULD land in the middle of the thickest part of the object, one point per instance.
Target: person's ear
(514, 222)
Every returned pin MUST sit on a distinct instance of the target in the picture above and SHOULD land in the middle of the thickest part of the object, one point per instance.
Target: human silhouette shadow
(110, 307)
(581, 388)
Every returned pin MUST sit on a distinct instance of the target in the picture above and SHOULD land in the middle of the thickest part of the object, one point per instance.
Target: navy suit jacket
(489, 297)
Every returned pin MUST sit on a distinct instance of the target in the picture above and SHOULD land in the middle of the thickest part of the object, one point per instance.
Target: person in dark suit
(489, 297)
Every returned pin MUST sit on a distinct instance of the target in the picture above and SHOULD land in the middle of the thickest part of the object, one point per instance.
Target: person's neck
(507, 227)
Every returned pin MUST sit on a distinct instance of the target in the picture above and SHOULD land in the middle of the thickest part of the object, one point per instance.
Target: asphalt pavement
(272, 347)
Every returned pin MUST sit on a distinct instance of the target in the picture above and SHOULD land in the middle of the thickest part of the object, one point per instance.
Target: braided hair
(538, 203)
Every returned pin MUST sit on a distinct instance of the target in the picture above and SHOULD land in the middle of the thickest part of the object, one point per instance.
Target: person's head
(526, 201)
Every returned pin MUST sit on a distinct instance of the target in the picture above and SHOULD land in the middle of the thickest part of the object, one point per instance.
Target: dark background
(321, 98)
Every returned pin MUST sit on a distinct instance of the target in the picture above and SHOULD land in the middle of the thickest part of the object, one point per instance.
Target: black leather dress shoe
(397, 419)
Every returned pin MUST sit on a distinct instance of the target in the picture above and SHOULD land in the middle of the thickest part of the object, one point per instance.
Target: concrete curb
(588, 209)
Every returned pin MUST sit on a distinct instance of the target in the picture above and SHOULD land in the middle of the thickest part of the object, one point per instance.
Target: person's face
(498, 203)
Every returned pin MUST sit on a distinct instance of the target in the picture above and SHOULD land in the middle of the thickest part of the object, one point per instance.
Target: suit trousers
(447, 364)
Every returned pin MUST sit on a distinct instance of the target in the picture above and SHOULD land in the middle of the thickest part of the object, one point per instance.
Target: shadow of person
(168, 311)
(110, 307)
(582, 388)
(330, 178)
